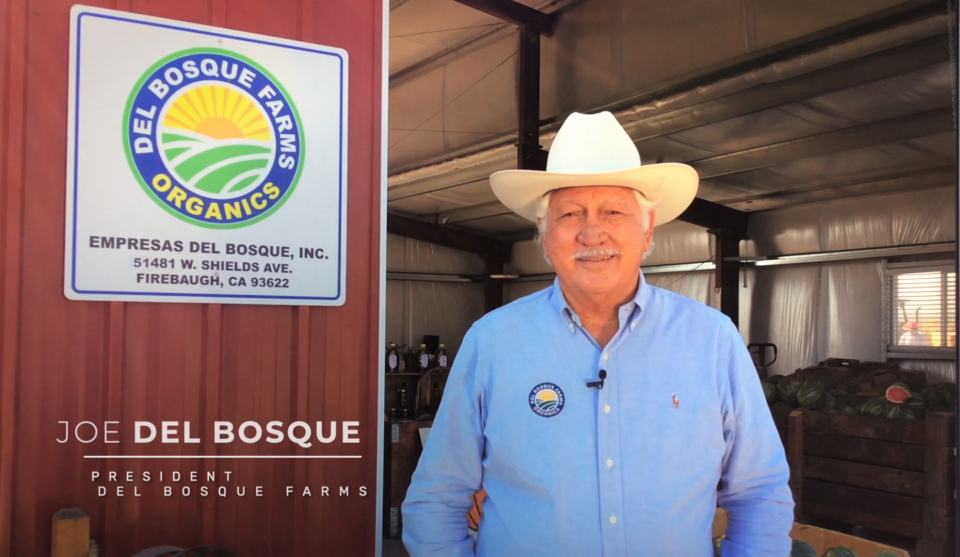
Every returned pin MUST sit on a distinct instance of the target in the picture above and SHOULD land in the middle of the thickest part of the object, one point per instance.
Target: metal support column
(530, 154)
(727, 282)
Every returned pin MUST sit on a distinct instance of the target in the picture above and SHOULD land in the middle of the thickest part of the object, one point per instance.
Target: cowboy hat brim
(669, 187)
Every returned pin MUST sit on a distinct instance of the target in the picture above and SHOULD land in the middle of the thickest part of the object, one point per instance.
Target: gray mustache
(595, 253)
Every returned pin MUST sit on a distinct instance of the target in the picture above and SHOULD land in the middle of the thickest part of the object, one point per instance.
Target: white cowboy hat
(595, 150)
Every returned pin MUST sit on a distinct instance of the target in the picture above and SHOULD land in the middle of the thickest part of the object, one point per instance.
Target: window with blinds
(920, 309)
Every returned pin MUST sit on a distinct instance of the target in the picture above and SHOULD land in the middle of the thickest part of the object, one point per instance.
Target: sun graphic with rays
(217, 140)
(547, 399)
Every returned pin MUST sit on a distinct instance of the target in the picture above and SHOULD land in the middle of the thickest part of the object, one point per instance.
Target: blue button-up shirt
(629, 469)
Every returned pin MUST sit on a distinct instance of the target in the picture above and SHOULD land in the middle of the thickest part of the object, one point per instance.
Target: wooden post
(795, 461)
(937, 447)
(71, 533)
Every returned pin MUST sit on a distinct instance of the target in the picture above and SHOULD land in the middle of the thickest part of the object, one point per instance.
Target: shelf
(415, 373)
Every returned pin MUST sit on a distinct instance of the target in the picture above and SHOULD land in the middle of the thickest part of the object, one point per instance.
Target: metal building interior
(824, 134)
(815, 127)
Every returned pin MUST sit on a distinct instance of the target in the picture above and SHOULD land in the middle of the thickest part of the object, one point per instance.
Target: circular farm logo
(546, 399)
(213, 138)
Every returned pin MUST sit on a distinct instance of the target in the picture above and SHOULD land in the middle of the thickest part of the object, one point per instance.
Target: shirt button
(572, 327)
(606, 409)
(606, 356)
(613, 520)
(609, 463)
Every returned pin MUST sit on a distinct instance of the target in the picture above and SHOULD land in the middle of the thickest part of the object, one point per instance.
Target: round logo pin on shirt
(546, 399)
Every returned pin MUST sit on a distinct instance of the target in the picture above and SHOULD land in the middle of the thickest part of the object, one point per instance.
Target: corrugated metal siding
(62, 360)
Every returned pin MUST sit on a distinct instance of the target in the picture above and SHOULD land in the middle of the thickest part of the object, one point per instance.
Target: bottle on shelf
(442, 359)
(393, 358)
(402, 395)
(423, 359)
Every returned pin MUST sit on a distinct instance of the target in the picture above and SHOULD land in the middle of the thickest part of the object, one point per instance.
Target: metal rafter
(713, 215)
(489, 248)
(516, 13)
(879, 21)
(882, 65)
(884, 132)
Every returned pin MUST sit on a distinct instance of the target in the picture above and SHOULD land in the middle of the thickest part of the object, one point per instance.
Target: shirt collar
(639, 301)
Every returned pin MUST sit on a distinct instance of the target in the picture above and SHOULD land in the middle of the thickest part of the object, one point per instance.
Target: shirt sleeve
(449, 471)
(756, 491)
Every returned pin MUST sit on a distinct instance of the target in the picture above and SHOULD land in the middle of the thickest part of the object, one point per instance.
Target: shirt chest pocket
(529, 426)
(673, 415)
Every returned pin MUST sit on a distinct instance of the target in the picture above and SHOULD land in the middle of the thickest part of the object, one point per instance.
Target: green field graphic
(219, 167)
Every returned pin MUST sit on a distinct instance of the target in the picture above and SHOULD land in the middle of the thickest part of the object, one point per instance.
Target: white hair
(543, 211)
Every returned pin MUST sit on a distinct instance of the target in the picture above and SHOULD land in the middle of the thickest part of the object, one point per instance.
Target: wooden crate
(820, 539)
(402, 448)
(886, 475)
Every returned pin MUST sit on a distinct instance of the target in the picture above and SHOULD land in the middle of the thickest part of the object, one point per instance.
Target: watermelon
(839, 552)
(802, 549)
(811, 396)
(788, 388)
(815, 380)
(829, 400)
(897, 393)
(774, 379)
(769, 391)
(932, 396)
(909, 414)
(873, 407)
(892, 411)
(916, 405)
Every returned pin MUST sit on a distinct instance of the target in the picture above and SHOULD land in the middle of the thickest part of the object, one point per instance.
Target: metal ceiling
(775, 103)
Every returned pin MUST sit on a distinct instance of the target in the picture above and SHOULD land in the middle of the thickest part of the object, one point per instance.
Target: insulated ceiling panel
(907, 94)
(479, 95)
(607, 51)
(670, 149)
(421, 28)
(447, 199)
(771, 22)
(746, 132)
(913, 183)
(853, 165)
(728, 187)
(662, 40)
(503, 223)
(941, 147)
(470, 99)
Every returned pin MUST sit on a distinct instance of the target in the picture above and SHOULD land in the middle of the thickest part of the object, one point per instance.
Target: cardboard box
(820, 539)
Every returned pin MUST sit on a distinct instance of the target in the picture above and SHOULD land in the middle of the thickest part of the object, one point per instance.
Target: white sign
(205, 165)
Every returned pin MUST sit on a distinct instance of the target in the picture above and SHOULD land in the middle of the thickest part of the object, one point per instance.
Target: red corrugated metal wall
(62, 360)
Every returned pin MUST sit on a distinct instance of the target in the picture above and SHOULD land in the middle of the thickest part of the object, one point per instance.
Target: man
(600, 414)
(914, 336)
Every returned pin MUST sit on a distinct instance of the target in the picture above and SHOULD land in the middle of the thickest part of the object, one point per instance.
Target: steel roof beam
(913, 180)
(893, 16)
(516, 13)
(489, 248)
(713, 215)
(882, 65)
(885, 132)
(882, 20)
(846, 75)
